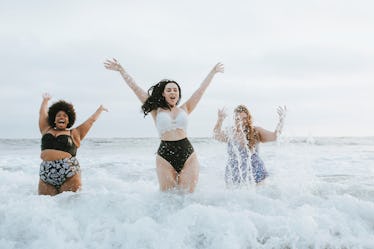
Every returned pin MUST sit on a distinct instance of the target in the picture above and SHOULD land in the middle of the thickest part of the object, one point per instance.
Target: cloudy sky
(316, 57)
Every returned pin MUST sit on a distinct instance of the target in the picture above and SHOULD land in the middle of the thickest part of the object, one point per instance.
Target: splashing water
(319, 194)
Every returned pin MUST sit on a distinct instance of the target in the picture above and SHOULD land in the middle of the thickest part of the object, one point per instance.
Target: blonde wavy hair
(251, 134)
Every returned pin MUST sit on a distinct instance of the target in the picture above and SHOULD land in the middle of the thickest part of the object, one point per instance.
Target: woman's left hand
(218, 68)
(102, 108)
(282, 111)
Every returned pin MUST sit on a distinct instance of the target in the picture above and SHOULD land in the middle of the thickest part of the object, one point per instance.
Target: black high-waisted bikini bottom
(56, 172)
(176, 152)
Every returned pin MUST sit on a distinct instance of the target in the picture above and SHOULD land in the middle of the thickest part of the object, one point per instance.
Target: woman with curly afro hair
(60, 170)
(176, 162)
(244, 163)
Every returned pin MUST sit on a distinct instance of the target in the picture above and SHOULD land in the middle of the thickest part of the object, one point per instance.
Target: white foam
(317, 196)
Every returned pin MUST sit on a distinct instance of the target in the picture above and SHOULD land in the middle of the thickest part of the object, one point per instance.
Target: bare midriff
(173, 135)
(51, 155)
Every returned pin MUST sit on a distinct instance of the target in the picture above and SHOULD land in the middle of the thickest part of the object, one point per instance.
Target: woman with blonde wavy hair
(244, 163)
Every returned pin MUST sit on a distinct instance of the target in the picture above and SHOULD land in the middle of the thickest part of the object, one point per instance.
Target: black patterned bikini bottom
(56, 172)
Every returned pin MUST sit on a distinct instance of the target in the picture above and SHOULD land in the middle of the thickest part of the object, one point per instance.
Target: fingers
(112, 64)
(103, 108)
(219, 68)
(282, 110)
(109, 62)
(46, 96)
(222, 113)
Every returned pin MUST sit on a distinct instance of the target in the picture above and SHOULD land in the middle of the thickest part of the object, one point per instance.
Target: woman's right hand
(113, 65)
(43, 113)
(46, 96)
(222, 114)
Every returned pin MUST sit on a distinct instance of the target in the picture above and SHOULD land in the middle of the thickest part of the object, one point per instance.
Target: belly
(173, 135)
(51, 155)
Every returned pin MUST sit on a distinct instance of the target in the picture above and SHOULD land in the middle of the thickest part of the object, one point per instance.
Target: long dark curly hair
(155, 99)
(61, 105)
(252, 136)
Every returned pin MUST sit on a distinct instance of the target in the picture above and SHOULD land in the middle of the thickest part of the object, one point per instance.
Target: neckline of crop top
(165, 122)
(61, 142)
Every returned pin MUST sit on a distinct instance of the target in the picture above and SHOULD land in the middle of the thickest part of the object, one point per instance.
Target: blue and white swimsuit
(242, 166)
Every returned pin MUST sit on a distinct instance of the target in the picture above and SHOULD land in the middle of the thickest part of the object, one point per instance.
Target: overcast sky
(316, 57)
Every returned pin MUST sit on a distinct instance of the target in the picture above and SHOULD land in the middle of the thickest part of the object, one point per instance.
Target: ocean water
(320, 194)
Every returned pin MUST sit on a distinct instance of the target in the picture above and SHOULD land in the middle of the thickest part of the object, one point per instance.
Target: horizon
(192, 137)
(315, 57)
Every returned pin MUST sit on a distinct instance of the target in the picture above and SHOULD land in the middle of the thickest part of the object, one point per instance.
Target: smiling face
(171, 94)
(61, 120)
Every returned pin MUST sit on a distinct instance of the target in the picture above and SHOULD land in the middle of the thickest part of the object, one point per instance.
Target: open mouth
(61, 122)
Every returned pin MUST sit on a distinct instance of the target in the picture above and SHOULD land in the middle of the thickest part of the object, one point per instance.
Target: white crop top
(164, 121)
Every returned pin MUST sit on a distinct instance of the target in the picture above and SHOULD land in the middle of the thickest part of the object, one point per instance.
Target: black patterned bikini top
(62, 142)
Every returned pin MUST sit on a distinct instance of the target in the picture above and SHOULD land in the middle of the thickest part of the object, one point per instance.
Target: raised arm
(191, 103)
(218, 134)
(116, 66)
(282, 111)
(81, 131)
(268, 136)
(43, 113)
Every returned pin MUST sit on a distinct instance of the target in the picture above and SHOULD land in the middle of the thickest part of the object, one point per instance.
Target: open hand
(222, 114)
(218, 68)
(102, 108)
(113, 65)
(282, 111)
(46, 96)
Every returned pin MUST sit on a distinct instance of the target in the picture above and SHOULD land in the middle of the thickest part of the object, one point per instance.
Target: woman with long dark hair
(176, 160)
(244, 163)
